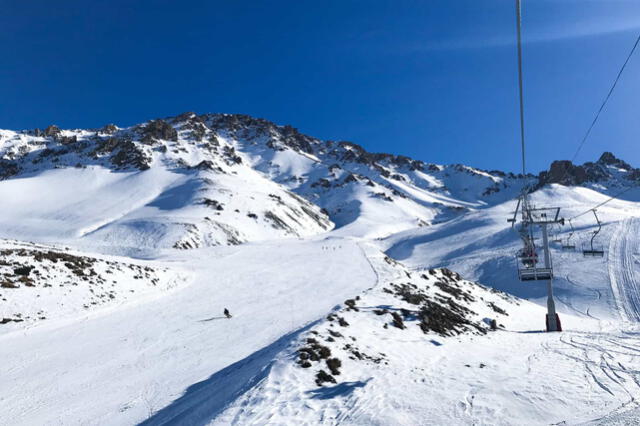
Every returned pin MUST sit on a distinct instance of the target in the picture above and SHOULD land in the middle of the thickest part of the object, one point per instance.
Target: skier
(226, 313)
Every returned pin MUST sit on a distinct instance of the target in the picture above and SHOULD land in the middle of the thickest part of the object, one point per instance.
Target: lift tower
(530, 267)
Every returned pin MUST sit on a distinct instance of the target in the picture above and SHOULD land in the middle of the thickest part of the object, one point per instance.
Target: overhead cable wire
(602, 105)
(613, 197)
(593, 123)
(520, 91)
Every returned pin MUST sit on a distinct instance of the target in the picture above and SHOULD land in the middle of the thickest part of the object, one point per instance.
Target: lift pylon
(529, 266)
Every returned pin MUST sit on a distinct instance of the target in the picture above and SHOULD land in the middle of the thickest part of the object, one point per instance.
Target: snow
(119, 368)
(232, 218)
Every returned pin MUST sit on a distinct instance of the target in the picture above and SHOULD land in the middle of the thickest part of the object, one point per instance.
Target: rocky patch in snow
(39, 282)
(418, 306)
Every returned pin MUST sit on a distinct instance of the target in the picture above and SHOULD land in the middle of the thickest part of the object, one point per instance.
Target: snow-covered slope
(198, 180)
(482, 246)
(44, 283)
(191, 181)
(330, 259)
(146, 187)
(121, 366)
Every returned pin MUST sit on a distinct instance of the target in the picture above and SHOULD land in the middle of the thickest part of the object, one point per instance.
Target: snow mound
(42, 283)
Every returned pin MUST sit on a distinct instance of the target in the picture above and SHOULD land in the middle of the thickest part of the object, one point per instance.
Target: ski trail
(624, 282)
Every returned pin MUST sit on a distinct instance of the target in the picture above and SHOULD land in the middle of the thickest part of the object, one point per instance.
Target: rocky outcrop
(566, 173)
(52, 131)
(563, 172)
(158, 130)
(109, 129)
(609, 159)
(8, 169)
(130, 155)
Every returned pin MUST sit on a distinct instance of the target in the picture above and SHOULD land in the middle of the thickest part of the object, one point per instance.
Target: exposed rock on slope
(373, 341)
(39, 282)
(404, 306)
(227, 179)
(193, 187)
(608, 170)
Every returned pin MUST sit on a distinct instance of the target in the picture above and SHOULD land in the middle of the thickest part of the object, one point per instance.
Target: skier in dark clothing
(226, 313)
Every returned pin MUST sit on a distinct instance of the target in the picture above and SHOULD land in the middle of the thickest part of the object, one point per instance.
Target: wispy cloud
(532, 34)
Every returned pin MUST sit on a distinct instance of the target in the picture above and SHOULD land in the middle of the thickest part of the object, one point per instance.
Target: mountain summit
(195, 180)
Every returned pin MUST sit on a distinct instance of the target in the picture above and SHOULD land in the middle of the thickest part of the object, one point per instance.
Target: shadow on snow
(342, 389)
(205, 400)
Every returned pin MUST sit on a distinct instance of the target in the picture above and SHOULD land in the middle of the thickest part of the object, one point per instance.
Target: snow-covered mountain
(199, 180)
(365, 288)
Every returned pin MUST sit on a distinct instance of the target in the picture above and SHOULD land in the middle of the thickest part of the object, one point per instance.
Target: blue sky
(432, 79)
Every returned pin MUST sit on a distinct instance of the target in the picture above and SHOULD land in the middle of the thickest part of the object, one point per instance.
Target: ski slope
(121, 366)
(158, 227)
(623, 268)
(172, 358)
(481, 246)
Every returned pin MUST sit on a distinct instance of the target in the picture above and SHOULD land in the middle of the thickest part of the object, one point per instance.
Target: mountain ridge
(213, 170)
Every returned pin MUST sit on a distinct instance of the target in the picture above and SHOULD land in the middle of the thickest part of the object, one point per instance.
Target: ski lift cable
(525, 187)
(613, 197)
(591, 126)
(604, 102)
(520, 91)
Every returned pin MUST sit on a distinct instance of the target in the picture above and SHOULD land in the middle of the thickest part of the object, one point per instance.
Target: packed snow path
(120, 367)
(623, 262)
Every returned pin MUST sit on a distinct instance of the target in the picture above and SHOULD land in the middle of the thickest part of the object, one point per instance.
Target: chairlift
(590, 250)
(527, 260)
(555, 237)
(568, 245)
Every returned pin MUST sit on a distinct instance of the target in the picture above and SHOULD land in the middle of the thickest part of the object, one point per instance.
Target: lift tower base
(554, 325)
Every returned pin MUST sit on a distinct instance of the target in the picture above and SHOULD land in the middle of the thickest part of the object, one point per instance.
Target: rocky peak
(109, 129)
(566, 173)
(158, 129)
(609, 159)
(563, 172)
(52, 130)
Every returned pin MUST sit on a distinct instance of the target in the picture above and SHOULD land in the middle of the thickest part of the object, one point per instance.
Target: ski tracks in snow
(610, 365)
(610, 360)
(622, 270)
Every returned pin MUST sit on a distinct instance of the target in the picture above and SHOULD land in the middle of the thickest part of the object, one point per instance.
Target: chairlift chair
(533, 272)
(568, 245)
(556, 238)
(528, 262)
(590, 249)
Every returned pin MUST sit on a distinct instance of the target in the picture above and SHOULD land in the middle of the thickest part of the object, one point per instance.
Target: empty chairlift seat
(568, 244)
(590, 249)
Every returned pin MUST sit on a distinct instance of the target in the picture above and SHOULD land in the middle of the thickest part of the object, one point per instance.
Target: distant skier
(226, 313)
